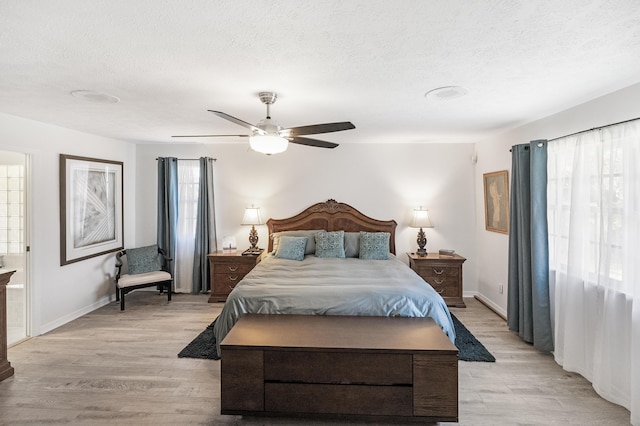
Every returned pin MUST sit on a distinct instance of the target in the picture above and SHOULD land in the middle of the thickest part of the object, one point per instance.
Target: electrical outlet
(500, 288)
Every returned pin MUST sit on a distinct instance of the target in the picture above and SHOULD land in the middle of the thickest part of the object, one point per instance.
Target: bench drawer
(338, 399)
(338, 367)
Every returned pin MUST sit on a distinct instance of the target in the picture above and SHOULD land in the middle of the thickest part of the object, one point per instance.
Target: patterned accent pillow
(374, 245)
(351, 244)
(330, 244)
(143, 259)
(291, 248)
(310, 234)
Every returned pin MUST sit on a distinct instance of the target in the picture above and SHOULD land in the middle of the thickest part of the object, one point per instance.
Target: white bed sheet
(327, 286)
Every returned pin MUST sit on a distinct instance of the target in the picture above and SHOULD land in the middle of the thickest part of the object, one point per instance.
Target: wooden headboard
(333, 216)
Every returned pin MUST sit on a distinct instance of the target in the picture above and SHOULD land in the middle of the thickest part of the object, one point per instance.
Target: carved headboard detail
(333, 216)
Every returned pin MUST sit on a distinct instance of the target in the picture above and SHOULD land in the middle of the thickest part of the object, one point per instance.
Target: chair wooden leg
(169, 292)
(117, 293)
(121, 299)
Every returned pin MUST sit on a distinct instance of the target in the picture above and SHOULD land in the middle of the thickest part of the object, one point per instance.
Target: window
(11, 209)
(591, 207)
(188, 194)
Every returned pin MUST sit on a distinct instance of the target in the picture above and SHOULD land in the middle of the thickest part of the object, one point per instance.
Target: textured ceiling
(365, 61)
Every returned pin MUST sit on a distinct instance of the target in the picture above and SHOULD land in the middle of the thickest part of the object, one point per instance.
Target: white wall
(494, 155)
(62, 293)
(384, 181)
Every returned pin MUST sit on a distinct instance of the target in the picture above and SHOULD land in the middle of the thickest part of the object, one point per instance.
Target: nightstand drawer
(443, 286)
(232, 268)
(227, 270)
(443, 273)
(224, 283)
(438, 271)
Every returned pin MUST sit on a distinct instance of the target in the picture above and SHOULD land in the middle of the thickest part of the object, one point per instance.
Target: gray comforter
(325, 286)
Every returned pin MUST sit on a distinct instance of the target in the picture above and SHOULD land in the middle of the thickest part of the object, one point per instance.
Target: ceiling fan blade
(312, 142)
(210, 136)
(314, 129)
(237, 121)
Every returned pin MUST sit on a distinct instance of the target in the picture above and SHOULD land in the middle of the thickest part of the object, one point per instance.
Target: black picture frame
(91, 207)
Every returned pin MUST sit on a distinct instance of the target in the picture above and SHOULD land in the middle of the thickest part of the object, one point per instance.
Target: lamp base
(422, 241)
(253, 238)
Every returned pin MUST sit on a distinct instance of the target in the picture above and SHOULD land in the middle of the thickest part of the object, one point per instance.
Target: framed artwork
(91, 208)
(496, 202)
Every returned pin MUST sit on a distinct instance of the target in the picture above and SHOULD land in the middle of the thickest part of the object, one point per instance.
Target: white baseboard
(489, 304)
(44, 328)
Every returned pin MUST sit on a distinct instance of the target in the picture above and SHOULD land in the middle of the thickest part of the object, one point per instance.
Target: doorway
(13, 247)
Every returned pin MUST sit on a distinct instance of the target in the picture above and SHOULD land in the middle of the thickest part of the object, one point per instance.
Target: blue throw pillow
(330, 244)
(144, 259)
(310, 234)
(291, 247)
(374, 245)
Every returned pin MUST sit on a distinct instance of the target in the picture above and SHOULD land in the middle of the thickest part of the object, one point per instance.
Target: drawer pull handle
(441, 291)
(233, 277)
(438, 281)
(233, 268)
(438, 272)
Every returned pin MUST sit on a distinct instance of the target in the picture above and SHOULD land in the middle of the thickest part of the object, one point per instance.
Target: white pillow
(310, 234)
(352, 244)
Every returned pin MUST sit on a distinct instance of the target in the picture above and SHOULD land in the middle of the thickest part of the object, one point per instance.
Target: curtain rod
(193, 159)
(589, 130)
(595, 128)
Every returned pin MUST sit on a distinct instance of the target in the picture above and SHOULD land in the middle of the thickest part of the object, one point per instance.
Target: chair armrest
(119, 263)
(164, 255)
(119, 258)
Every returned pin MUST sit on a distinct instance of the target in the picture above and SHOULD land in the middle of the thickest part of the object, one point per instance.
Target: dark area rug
(203, 346)
(470, 349)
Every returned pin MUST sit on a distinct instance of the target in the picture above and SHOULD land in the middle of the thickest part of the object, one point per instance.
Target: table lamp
(421, 220)
(252, 217)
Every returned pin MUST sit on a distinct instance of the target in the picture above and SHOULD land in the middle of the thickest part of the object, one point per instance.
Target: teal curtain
(205, 228)
(167, 207)
(528, 305)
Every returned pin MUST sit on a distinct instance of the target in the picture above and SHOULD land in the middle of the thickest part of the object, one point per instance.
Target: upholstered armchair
(146, 267)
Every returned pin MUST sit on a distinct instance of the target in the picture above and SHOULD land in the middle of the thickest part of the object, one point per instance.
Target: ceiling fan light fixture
(269, 138)
(268, 144)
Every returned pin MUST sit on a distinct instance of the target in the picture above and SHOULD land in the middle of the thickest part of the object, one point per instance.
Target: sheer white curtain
(594, 244)
(188, 187)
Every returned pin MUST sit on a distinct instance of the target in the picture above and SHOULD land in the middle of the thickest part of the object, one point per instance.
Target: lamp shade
(268, 144)
(421, 219)
(252, 216)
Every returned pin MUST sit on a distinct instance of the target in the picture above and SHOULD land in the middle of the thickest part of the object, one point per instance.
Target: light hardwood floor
(121, 368)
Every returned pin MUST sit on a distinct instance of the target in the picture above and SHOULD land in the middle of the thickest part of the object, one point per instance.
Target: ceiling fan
(270, 138)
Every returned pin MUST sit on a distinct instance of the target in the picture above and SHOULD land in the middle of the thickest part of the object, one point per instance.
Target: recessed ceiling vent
(446, 93)
(92, 96)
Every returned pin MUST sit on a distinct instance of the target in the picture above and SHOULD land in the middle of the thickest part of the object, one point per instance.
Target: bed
(332, 286)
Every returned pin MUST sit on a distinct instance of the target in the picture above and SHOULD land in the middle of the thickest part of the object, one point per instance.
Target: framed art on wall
(91, 207)
(496, 201)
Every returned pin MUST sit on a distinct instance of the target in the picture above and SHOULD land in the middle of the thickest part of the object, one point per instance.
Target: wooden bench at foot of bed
(339, 365)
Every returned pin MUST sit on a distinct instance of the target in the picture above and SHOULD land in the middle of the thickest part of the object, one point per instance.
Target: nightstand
(227, 269)
(443, 273)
